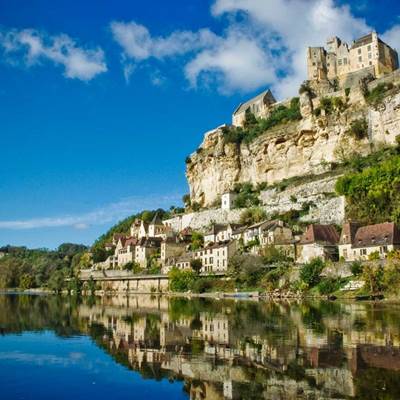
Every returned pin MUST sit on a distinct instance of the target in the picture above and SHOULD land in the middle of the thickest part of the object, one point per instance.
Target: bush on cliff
(255, 127)
(373, 195)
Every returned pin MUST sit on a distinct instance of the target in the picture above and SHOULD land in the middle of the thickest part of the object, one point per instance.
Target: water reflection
(233, 350)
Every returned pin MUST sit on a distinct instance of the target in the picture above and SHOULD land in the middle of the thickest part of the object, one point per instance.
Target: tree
(26, 281)
(197, 241)
(311, 272)
(196, 265)
(181, 281)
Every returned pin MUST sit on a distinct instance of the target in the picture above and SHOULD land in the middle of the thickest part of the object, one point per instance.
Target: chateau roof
(376, 235)
(244, 106)
(322, 234)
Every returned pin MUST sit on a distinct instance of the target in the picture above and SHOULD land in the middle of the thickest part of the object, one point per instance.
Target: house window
(359, 51)
(360, 59)
(369, 55)
(363, 252)
(345, 61)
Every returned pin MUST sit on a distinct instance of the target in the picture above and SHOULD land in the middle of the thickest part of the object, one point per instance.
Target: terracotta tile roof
(349, 230)
(377, 235)
(132, 241)
(322, 234)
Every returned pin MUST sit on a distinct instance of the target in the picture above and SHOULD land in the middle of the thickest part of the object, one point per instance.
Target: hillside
(307, 137)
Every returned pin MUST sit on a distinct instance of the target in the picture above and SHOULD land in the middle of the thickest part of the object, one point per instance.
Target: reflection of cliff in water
(227, 349)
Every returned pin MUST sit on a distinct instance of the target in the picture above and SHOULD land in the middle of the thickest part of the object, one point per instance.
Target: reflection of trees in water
(269, 343)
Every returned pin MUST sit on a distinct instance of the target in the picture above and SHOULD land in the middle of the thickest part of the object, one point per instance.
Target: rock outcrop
(308, 146)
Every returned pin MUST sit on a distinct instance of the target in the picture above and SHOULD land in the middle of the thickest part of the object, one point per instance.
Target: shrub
(326, 104)
(246, 270)
(188, 160)
(255, 127)
(202, 285)
(197, 241)
(376, 95)
(356, 268)
(373, 277)
(391, 277)
(195, 206)
(181, 281)
(329, 285)
(252, 216)
(310, 272)
(358, 129)
(273, 255)
(305, 88)
(374, 256)
(247, 196)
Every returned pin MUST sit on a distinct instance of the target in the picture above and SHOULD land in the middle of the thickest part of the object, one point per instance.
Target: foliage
(374, 256)
(358, 129)
(373, 278)
(252, 216)
(271, 254)
(391, 277)
(255, 127)
(123, 227)
(99, 254)
(306, 88)
(186, 199)
(196, 265)
(311, 272)
(181, 280)
(132, 266)
(373, 194)
(25, 268)
(247, 270)
(377, 94)
(247, 196)
(202, 285)
(356, 268)
(329, 285)
(197, 241)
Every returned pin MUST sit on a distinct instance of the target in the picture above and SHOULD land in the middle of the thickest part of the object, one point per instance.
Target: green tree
(197, 241)
(310, 272)
(196, 265)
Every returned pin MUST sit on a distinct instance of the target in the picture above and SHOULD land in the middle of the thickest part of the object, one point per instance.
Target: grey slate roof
(244, 106)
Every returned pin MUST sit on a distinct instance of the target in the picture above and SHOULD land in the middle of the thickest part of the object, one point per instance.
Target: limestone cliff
(307, 146)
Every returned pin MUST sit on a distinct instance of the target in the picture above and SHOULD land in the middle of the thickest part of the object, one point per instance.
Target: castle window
(339, 62)
(369, 55)
(359, 51)
(345, 61)
(313, 64)
(369, 47)
(360, 58)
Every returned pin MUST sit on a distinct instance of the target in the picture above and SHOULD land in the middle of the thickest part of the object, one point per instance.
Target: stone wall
(326, 208)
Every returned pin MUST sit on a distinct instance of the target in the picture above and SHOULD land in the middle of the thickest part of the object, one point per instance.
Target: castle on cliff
(368, 54)
(336, 67)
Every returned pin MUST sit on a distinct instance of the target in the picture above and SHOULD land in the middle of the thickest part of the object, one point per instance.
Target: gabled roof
(156, 219)
(150, 242)
(349, 230)
(244, 106)
(321, 234)
(131, 241)
(377, 235)
(216, 228)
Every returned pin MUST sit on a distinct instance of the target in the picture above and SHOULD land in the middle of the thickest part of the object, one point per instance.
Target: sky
(101, 102)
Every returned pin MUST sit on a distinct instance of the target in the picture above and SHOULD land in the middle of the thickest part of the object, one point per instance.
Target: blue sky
(100, 102)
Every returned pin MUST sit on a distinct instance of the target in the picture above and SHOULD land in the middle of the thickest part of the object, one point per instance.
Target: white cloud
(264, 43)
(392, 37)
(35, 47)
(110, 213)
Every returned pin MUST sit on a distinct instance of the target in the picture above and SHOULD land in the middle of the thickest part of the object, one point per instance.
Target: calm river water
(157, 348)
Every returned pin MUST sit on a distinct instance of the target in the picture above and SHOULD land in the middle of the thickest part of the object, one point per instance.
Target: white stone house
(220, 233)
(145, 248)
(215, 258)
(268, 233)
(126, 253)
(318, 241)
(227, 200)
(379, 238)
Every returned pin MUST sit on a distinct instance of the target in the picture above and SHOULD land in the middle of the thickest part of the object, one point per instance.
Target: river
(148, 347)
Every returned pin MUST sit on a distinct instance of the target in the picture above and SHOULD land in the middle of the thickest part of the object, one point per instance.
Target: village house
(220, 233)
(171, 247)
(125, 253)
(358, 242)
(145, 248)
(259, 106)
(318, 241)
(338, 60)
(215, 257)
(268, 233)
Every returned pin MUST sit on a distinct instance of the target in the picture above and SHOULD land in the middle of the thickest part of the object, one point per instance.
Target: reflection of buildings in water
(214, 358)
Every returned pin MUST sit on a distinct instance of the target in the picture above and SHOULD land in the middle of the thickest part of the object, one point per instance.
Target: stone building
(358, 242)
(318, 241)
(339, 59)
(227, 200)
(259, 106)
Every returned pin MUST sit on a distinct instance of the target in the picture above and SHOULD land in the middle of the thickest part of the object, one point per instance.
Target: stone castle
(367, 54)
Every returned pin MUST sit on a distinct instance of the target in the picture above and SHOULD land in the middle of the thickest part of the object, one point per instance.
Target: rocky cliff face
(308, 146)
